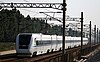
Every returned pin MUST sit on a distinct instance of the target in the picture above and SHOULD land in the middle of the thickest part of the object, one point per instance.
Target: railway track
(40, 58)
(50, 57)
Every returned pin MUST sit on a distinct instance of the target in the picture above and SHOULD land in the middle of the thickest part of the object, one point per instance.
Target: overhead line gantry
(58, 6)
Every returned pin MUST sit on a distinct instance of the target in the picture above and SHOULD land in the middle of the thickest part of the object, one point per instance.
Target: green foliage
(55, 30)
(13, 22)
(4, 46)
(74, 33)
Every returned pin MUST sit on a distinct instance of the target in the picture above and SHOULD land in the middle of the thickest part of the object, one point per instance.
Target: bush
(4, 46)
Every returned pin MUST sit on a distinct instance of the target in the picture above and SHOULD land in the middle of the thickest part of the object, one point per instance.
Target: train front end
(23, 45)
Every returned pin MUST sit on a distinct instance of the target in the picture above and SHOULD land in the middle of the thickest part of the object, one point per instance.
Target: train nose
(23, 51)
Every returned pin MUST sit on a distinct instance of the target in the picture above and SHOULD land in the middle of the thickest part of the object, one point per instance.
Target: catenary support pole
(81, 32)
(94, 34)
(64, 15)
(90, 37)
(97, 35)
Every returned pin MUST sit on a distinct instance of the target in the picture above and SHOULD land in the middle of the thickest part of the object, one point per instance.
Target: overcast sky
(90, 8)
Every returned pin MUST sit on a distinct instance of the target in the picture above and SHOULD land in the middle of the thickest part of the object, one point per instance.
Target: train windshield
(24, 41)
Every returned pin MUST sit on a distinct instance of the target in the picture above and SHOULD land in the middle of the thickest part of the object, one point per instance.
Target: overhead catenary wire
(54, 13)
(34, 12)
(0, 6)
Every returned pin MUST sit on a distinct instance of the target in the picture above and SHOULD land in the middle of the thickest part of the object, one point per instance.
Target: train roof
(47, 37)
(30, 33)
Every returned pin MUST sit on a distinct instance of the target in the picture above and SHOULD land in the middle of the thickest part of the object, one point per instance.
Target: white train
(29, 44)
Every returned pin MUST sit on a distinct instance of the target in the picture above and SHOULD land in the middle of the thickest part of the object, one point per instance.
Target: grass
(4, 46)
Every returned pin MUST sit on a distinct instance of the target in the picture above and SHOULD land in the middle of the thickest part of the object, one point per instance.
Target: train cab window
(24, 41)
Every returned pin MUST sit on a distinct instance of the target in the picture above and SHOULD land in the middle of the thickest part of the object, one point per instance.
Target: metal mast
(64, 14)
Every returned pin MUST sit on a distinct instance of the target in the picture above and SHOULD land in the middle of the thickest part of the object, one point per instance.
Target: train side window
(40, 43)
(37, 43)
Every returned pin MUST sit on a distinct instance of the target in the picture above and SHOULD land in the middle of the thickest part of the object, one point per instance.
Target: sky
(90, 9)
